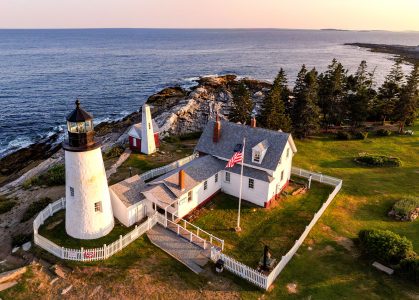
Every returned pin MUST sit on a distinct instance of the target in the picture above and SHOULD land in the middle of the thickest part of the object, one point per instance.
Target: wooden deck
(179, 248)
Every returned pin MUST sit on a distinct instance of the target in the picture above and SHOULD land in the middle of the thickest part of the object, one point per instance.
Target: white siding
(127, 215)
(258, 195)
(199, 195)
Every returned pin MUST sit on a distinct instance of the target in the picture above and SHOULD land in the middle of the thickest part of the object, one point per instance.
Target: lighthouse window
(98, 206)
(205, 185)
(71, 191)
(251, 183)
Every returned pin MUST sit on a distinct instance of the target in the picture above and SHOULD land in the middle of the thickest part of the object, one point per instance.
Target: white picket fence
(82, 254)
(200, 237)
(260, 279)
(167, 168)
(240, 269)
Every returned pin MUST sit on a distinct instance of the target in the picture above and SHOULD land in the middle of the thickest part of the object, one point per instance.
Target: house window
(134, 142)
(205, 185)
(256, 157)
(216, 178)
(227, 176)
(282, 175)
(190, 196)
(288, 152)
(71, 191)
(98, 206)
(251, 183)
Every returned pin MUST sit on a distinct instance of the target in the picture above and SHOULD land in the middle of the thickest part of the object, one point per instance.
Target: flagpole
(241, 184)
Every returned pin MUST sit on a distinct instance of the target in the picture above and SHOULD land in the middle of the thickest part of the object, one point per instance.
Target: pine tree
(332, 93)
(389, 93)
(273, 114)
(361, 95)
(306, 113)
(242, 105)
(407, 107)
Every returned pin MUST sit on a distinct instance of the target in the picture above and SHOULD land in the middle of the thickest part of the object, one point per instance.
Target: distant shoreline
(408, 53)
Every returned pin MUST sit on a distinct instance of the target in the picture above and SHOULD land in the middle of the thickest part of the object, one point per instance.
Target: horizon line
(201, 28)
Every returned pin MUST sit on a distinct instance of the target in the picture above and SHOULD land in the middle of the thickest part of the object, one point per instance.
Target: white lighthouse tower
(88, 205)
(148, 144)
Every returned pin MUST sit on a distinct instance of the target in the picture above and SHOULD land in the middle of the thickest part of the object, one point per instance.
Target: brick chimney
(253, 122)
(217, 130)
(181, 180)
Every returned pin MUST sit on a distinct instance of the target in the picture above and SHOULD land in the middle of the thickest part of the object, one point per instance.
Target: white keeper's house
(266, 172)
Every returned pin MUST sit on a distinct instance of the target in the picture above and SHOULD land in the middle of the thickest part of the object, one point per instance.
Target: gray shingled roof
(137, 128)
(232, 134)
(129, 190)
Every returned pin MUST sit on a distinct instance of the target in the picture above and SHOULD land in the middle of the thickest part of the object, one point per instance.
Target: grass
(54, 230)
(406, 206)
(138, 163)
(277, 227)
(6, 205)
(53, 177)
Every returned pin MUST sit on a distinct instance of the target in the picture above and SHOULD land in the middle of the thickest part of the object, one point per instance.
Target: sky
(395, 15)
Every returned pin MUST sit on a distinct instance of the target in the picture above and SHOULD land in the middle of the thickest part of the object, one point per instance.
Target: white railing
(167, 168)
(264, 281)
(240, 269)
(195, 236)
(82, 254)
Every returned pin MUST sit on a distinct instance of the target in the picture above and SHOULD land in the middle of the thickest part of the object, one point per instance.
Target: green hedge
(409, 268)
(385, 246)
(6, 206)
(53, 177)
(383, 132)
(378, 160)
(35, 208)
(115, 151)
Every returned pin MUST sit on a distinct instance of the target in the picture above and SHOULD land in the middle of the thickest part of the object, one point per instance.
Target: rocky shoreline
(177, 111)
(409, 53)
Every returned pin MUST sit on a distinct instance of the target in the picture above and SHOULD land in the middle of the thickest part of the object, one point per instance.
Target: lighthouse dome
(80, 130)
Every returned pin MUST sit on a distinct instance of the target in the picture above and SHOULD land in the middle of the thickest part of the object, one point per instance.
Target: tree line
(332, 98)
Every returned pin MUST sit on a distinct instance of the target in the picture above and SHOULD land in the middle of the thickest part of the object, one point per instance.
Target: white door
(134, 142)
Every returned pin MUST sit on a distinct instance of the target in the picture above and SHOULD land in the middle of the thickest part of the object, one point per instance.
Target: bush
(378, 160)
(343, 136)
(6, 206)
(406, 209)
(385, 245)
(20, 239)
(361, 135)
(409, 268)
(172, 139)
(115, 151)
(383, 132)
(53, 177)
(35, 208)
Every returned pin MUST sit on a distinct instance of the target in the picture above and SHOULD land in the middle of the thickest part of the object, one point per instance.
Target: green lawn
(277, 227)
(54, 230)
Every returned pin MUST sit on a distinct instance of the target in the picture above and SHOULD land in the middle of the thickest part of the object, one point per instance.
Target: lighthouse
(88, 205)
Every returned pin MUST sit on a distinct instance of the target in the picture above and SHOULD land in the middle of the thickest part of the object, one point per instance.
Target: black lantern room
(81, 136)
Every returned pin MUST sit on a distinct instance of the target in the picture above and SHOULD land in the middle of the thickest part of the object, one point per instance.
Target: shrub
(409, 268)
(360, 135)
(20, 239)
(35, 208)
(53, 177)
(115, 151)
(172, 139)
(6, 206)
(343, 136)
(406, 209)
(385, 245)
(383, 132)
(378, 160)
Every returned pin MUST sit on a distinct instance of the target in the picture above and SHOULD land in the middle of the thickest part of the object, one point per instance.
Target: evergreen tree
(407, 107)
(273, 114)
(389, 93)
(361, 94)
(306, 113)
(332, 93)
(242, 105)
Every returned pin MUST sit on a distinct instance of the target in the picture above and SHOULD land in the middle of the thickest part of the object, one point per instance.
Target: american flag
(236, 158)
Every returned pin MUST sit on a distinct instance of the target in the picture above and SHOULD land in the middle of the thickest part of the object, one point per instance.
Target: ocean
(113, 71)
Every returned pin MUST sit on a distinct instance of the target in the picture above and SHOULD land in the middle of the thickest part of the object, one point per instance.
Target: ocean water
(113, 71)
